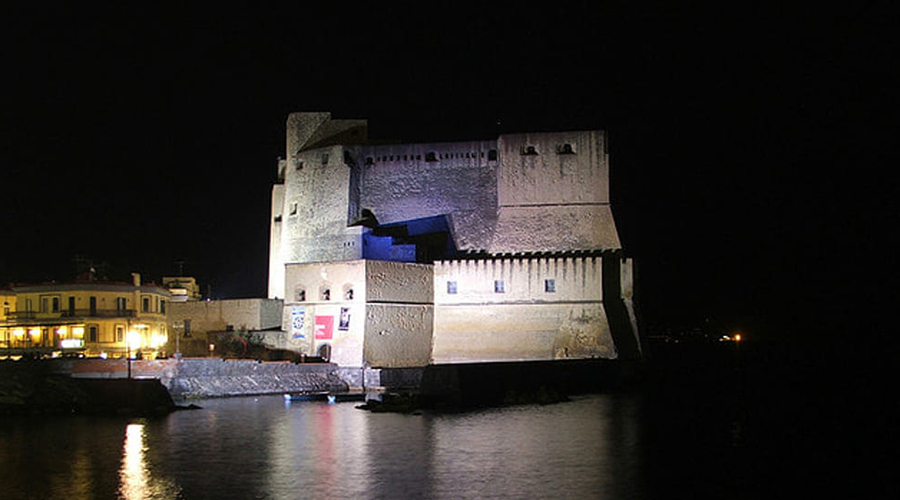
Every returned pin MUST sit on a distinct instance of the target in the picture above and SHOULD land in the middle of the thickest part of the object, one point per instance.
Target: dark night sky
(740, 139)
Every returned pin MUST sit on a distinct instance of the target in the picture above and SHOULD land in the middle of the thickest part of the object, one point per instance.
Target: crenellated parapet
(518, 232)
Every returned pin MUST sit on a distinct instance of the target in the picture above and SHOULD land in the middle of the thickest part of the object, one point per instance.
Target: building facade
(511, 241)
(94, 318)
(196, 327)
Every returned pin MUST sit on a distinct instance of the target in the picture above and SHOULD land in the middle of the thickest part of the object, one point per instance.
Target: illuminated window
(499, 286)
(451, 287)
(550, 286)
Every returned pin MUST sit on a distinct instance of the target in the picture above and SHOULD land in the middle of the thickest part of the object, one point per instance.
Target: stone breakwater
(202, 378)
(187, 378)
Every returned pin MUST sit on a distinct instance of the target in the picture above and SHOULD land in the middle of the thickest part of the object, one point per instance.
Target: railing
(72, 313)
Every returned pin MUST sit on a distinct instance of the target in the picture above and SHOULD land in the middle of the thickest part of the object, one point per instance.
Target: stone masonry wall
(213, 377)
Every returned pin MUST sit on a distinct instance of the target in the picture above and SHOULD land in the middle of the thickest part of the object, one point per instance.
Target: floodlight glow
(134, 340)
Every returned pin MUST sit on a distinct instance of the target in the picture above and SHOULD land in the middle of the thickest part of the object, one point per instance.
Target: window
(301, 295)
(120, 333)
(162, 306)
(294, 208)
(348, 294)
(326, 294)
(370, 160)
(92, 333)
(324, 158)
(71, 306)
(55, 304)
(430, 156)
(565, 149)
(451, 287)
(187, 328)
(492, 155)
(550, 286)
(145, 304)
(529, 150)
(120, 304)
(44, 304)
(499, 286)
(93, 305)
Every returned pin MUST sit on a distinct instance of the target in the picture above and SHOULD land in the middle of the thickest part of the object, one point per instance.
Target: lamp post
(128, 356)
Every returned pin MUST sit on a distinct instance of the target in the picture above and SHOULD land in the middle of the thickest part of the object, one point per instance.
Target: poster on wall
(324, 326)
(345, 319)
(298, 315)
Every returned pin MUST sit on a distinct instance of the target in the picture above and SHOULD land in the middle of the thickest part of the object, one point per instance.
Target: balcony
(19, 316)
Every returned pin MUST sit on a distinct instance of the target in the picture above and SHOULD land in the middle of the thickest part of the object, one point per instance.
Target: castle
(400, 255)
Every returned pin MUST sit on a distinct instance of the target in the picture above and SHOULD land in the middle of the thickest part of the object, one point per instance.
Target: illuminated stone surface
(521, 209)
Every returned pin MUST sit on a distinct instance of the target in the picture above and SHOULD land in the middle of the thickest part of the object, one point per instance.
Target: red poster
(324, 325)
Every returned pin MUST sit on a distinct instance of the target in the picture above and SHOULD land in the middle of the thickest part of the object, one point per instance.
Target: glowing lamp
(134, 340)
(157, 340)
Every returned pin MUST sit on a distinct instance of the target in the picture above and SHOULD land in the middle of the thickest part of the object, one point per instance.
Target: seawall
(190, 378)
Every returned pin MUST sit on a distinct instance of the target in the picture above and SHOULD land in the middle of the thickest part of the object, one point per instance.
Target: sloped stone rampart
(201, 378)
(213, 377)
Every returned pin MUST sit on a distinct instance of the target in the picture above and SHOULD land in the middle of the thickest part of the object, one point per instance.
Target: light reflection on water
(261, 448)
(137, 481)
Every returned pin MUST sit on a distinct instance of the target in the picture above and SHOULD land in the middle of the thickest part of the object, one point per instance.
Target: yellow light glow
(62, 331)
(19, 332)
(134, 340)
(35, 332)
(737, 337)
(158, 340)
(78, 331)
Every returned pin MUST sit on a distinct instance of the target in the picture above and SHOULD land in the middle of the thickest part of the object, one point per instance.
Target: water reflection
(136, 480)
